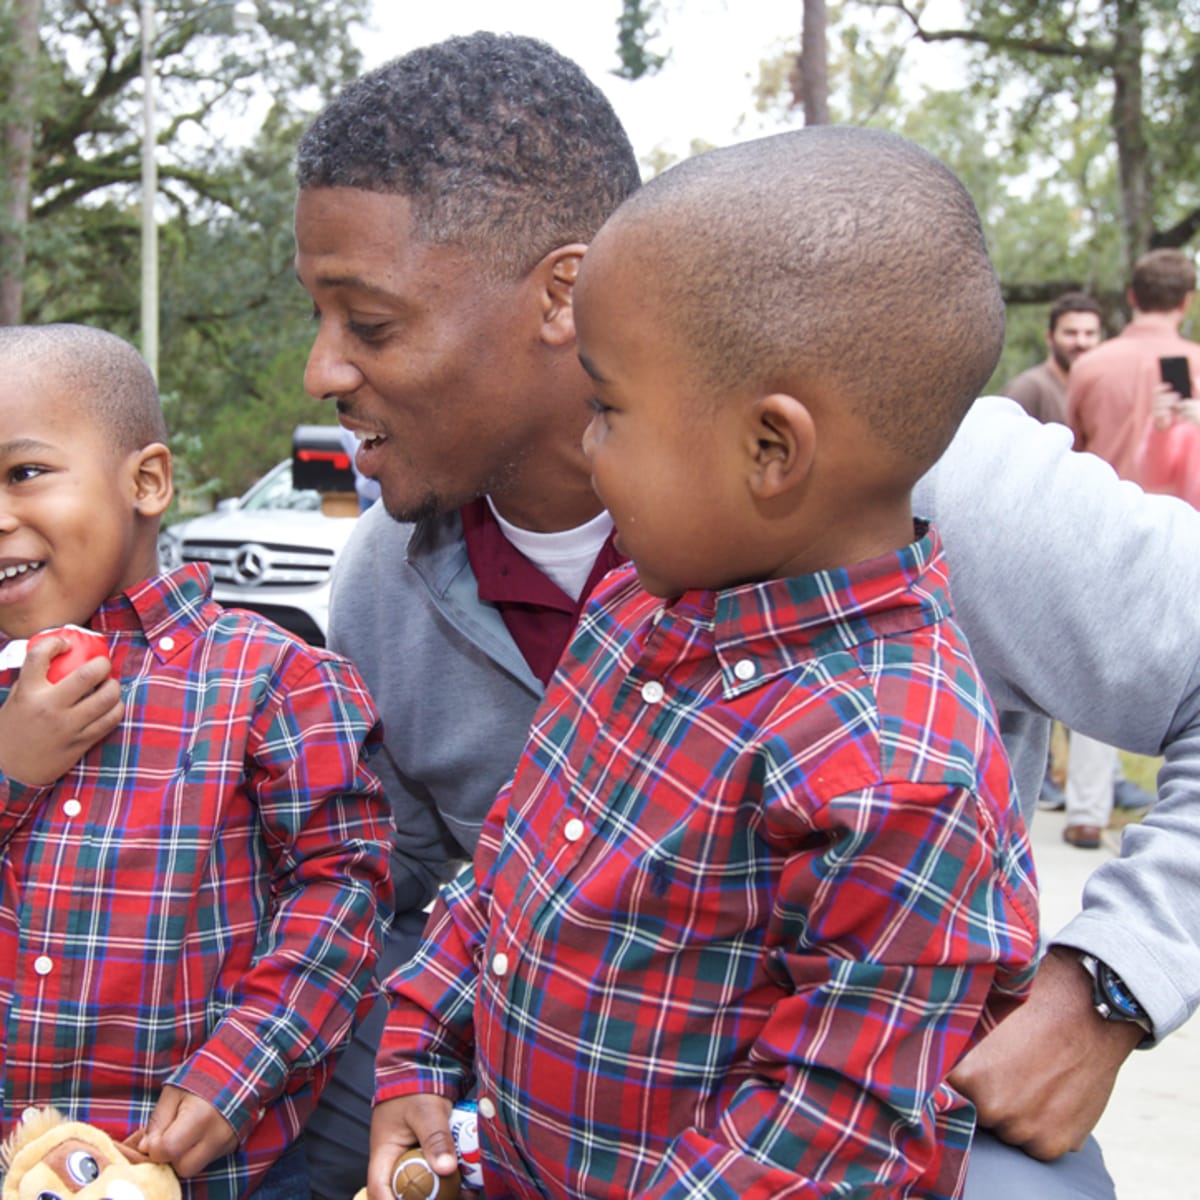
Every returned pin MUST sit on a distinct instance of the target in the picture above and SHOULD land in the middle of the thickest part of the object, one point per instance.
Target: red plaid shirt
(196, 902)
(759, 882)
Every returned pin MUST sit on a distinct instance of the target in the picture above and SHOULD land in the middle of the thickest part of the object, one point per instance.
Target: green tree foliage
(231, 104)
(1079, 153)
(634, 35)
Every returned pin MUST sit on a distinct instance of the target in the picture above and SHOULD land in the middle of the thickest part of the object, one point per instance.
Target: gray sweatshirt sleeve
(1080, 596)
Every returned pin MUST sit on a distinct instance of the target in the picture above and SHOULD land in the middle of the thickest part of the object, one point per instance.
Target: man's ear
(782, 440)
(152, 475)
(557, 273)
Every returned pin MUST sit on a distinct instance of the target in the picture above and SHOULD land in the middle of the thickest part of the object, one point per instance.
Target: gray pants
(996, 1171)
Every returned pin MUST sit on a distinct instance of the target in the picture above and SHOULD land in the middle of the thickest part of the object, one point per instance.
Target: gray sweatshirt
(1073, 588)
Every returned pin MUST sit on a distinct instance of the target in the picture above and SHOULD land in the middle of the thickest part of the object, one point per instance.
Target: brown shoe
(1084, 837)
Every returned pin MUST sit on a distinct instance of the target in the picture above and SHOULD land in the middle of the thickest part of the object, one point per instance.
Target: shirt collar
(761, 630)
(171, 610)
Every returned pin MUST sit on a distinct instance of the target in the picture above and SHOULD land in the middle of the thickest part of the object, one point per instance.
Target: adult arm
(1078, 592)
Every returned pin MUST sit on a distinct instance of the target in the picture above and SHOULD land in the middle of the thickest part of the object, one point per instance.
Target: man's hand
(1041, 1079)
(46, 728)
(186, 1132)
(399, 1125)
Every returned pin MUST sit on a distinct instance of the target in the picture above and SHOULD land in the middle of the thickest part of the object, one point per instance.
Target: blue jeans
(287, 1179)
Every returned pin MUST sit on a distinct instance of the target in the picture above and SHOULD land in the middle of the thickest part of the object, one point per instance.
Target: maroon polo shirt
(539, 615)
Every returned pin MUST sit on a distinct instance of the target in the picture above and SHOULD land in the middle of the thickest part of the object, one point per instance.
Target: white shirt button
(72, 808)
(745, 669)
(500, 963)
(486, 1107)
(652, 692)
(573, 829)
(166, 643)
(43, 964)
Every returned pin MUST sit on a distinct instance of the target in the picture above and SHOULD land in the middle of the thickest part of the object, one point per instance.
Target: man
(445, 202)
(1110, 393)
(1073, 328)
(1109, 398)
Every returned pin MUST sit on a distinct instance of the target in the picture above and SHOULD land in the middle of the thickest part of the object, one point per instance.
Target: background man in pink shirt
(1111, 388)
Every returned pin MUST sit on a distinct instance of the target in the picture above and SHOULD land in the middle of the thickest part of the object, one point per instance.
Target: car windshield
(275, 491)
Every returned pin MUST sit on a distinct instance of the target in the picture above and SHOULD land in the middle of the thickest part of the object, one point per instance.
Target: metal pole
(149, 195)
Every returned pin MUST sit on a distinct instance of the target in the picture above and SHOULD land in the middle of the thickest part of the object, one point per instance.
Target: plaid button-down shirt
(759, 881)
(196, 901)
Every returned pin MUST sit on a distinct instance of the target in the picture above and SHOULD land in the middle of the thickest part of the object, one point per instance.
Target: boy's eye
(366, 331)
(24, 472)
(597, 405)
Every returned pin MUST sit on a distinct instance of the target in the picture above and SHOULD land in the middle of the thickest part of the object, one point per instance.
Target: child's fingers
(93, 674)
(39, 655)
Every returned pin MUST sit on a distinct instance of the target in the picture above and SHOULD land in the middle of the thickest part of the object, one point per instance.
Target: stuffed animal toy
(47, 1155)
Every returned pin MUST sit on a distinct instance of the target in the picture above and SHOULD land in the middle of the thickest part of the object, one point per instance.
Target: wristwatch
(1110, 996)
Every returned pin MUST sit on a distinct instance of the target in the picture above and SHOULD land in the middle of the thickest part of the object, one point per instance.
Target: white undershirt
(566, 557)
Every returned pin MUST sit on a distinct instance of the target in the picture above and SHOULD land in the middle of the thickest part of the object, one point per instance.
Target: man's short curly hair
(499, 142)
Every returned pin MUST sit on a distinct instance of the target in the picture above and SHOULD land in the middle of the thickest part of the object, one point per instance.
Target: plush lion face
(49, 1158)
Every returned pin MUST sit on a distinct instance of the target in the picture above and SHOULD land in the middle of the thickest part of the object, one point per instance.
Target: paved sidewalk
(1150, 1132)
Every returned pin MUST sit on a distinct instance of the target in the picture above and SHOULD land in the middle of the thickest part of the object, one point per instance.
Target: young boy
(193, 852)
(758, 880)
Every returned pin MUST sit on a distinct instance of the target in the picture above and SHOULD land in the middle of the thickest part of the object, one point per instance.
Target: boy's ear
(556, 274)
(782, 442)
(152, 476)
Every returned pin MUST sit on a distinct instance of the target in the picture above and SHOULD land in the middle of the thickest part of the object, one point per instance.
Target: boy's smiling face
(71, 531)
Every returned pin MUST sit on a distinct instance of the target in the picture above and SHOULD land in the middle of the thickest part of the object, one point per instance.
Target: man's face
(431, 363)
(1072, 335)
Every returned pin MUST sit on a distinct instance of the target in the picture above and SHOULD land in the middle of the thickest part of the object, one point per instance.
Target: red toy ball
(85, 644)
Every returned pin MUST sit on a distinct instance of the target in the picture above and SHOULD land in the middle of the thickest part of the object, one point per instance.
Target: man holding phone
(1111, 389)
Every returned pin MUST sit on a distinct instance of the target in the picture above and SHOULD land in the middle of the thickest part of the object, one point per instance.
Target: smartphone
(1174, 370)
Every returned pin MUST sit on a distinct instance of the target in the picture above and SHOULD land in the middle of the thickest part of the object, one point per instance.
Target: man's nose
(329, 372)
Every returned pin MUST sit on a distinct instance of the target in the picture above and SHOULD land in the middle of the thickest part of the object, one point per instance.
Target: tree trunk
(1128, 130)
(814, 64)
(16, 153)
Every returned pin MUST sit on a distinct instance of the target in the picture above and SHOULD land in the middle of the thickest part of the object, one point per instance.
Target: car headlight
(170, 550)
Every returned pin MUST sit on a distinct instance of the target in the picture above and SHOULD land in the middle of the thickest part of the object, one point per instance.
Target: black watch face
(1117, 994)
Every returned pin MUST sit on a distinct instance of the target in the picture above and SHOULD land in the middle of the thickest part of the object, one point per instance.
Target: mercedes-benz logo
(250, 565)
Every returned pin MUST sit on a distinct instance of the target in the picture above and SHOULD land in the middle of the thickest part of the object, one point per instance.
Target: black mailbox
(319, 460)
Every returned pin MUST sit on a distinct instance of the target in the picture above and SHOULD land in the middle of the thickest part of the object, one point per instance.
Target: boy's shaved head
(109, 379)
(833, 261)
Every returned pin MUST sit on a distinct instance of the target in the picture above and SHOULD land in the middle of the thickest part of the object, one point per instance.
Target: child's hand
(186, 1132)
(399, 1125)
(46, 728)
